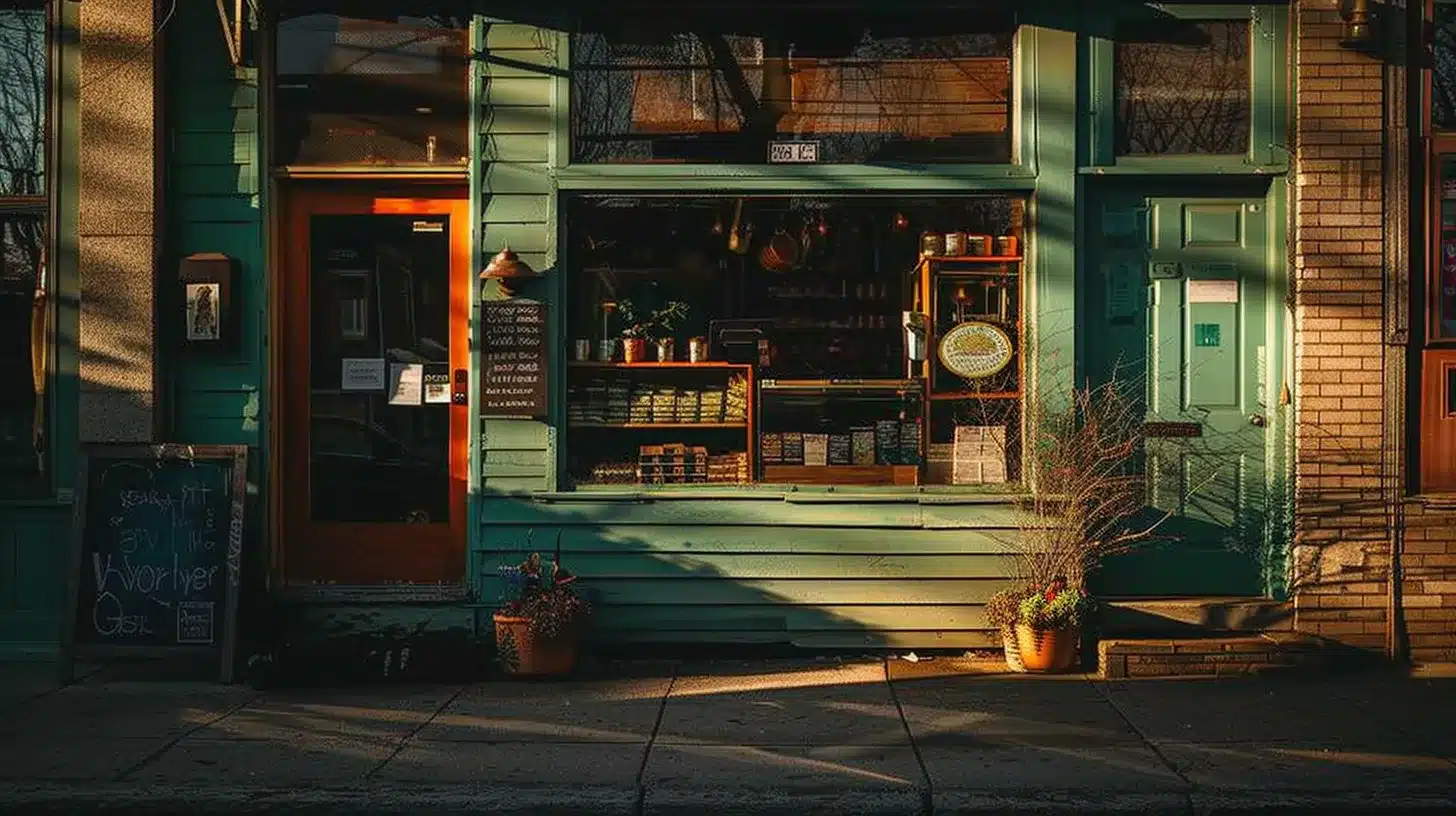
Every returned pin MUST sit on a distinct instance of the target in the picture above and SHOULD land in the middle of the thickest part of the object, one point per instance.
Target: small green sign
(1206, 335)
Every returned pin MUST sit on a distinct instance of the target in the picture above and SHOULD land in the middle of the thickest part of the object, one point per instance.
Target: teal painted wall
(213, 206)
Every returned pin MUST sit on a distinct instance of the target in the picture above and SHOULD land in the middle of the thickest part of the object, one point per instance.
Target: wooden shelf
(975, 395)
(987, 259)
(842, 474)
(663, 425)
(674, 365)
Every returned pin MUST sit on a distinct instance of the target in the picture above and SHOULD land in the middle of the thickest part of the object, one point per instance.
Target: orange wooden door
(375, 305)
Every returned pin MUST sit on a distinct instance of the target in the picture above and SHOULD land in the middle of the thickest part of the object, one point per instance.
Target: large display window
(795, 340)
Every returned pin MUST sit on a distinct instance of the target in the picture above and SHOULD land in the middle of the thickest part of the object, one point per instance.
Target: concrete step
(1193, 617)
(1229, 656)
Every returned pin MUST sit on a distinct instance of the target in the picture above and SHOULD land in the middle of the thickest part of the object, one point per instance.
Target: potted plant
(538, 627)
(1089, 502)
(638, 328)
(1003, 611)
(1049, 628)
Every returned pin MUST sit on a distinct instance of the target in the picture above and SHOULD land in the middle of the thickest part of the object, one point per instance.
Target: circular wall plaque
(975, 350)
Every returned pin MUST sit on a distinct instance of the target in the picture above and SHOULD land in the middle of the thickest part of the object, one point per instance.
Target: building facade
(880, 243)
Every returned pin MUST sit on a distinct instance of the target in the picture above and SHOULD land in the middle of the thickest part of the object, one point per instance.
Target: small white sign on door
(362, 374)
(1213, 291)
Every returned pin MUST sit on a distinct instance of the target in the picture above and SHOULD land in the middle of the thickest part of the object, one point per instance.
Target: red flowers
(1054, 589)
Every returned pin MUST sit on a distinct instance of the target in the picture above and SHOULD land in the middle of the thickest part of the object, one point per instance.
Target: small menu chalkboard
(514, 358)
(156, 554)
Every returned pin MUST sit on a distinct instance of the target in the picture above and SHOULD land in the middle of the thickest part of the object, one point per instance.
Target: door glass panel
(379, 440)
(1183, 89)
(1444, 287)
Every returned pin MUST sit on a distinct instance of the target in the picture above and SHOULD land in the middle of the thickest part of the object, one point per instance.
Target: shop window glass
(863, 94)
(1443, 75)
(1183, 89)
(1443, 288)
(25, 306)
(372, 92)
(767, 340)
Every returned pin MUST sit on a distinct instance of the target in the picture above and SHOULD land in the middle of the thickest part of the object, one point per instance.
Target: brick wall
(1428, 582)
(1341, 546)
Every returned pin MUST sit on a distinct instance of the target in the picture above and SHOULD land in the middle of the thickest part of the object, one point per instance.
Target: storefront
(852, 254)
(787, 286)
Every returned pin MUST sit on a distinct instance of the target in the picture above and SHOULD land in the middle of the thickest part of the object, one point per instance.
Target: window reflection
(352, 91)
(1189, 96)
(22, 100)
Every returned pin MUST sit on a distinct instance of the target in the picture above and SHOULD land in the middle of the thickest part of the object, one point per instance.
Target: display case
(660, 423)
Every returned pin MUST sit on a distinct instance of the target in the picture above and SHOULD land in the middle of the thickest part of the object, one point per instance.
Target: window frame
(31, 484)
(1432, 347)
(1270, 83)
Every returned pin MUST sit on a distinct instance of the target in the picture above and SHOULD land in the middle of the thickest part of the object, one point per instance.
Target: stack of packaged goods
(735, 404)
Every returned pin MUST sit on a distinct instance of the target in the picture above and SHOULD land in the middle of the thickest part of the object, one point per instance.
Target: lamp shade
(507, 265)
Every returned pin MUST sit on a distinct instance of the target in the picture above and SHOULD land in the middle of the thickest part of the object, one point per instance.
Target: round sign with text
(975, 350)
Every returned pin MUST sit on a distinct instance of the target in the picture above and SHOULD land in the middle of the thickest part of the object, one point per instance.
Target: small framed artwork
(204, 304)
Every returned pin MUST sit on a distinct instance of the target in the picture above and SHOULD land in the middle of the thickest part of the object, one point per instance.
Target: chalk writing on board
(514, 357)
(153, 563)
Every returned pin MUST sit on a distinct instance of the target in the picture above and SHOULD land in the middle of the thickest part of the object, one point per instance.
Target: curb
(609, 801)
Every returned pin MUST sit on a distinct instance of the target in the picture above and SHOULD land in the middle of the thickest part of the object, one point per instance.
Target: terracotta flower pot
(1046, 650)
(634, 349)
(525, 655)
(1011, 647)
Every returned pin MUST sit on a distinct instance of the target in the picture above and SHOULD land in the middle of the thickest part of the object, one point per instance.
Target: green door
(1182, 286)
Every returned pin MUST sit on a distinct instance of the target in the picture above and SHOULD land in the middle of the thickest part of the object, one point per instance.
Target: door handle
(1258, 420)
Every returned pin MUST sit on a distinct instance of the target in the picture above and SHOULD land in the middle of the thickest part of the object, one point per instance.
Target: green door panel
(1182, 283)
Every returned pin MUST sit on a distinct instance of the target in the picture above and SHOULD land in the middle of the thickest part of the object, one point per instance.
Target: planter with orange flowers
(537, 631)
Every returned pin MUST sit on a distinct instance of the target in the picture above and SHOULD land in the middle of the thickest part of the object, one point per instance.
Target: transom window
(1183, 88)
(862, 93)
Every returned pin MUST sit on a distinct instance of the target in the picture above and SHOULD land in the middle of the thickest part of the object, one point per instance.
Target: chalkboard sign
(514, 358)
(156, 559)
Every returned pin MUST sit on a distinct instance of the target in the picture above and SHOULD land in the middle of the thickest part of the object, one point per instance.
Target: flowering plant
(545, 595)
(1057, 607)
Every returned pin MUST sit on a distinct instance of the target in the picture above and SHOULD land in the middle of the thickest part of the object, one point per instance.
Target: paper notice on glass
(406, 383)
(437, 384)
(362, 374)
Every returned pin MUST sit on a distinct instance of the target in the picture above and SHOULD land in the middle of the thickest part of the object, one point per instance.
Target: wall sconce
(506, 268)
(1359, 20)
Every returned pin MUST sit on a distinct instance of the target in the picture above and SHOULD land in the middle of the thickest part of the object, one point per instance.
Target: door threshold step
(1192, 617)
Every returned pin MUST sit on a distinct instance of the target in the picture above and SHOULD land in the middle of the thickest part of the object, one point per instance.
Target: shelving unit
(981, 279)
(672, 440)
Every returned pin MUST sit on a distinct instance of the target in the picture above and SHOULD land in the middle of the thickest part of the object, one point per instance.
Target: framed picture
(204, 304)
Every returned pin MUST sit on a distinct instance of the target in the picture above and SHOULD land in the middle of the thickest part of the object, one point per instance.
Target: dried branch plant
(1090, 499)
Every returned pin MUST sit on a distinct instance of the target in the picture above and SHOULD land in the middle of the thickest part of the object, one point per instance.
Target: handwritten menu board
(514, 358)
(157, 552)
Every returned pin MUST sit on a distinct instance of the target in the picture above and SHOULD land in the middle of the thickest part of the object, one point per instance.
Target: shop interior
(795, 340)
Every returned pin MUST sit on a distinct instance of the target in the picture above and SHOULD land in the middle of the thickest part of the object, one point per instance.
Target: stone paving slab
(305, 759)
(969, 712)
(598, 766)
(61, 757)
(123, 709)
(1389, 764)
(719, 779)
(611, 711)
(389, 711)
(846, 705)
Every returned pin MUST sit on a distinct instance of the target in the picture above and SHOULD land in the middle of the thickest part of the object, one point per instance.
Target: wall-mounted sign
(975, 350)
(1172, 430)
(793, 152)
(514, 357)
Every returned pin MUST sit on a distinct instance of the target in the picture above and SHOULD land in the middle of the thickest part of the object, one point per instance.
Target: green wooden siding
(213, 206)
(887, 573)
(517, 209)
(34, 557)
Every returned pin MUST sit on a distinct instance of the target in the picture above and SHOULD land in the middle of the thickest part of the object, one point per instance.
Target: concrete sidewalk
(726, 738)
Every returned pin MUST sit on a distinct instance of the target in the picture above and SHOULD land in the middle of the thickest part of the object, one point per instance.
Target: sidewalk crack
(405, 740)
(927, 796)
(172, 743)
(1099, 686)
(641, 804)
